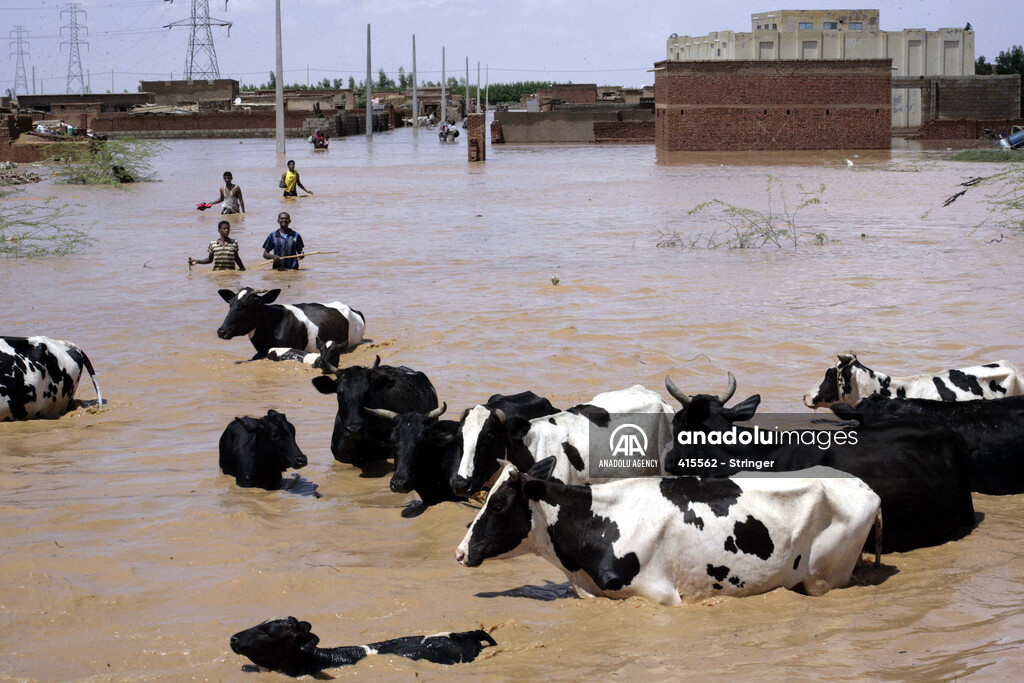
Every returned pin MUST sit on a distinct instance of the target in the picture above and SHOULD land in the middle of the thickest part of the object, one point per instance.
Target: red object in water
(203, 207)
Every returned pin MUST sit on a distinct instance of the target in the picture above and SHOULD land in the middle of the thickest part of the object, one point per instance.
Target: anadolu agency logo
(628, 441)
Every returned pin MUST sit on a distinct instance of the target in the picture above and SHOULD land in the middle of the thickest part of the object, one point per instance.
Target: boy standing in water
(231, 195)
(289, 179)
(284, 242)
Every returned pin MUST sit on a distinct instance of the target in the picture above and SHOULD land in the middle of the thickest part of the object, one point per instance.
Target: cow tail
(95, 382)
(878, 537)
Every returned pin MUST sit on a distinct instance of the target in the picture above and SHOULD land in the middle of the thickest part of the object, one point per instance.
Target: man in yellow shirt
(289, 181)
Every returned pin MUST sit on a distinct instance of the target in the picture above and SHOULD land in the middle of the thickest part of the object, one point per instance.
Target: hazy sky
(599, 41)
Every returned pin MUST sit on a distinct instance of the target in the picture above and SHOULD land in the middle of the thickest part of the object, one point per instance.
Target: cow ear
(534, 489)
(319, 343)
(249, 424)
(226, 294)
(465, 412)
(325, 384)
(543, 468)
(270, 296)
(517, 428)
(846, 358)
(745, 409)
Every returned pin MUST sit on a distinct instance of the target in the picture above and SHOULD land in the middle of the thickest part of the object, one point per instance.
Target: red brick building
(773, 105)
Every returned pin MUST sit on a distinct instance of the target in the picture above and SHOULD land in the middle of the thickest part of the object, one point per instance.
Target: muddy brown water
(126, 555)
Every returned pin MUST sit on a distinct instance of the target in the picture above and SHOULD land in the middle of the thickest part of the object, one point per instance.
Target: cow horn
(729, 391)
(676, 394)
(500, 414)
(438, 412)
(382, 412)
(375, 363)
(327, 366)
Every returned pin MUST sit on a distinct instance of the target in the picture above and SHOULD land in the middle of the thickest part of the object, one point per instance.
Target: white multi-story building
(839, 34)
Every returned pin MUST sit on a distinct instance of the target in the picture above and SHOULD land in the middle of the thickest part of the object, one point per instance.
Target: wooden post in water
(444, 114)
(279, 90)
(369, 92)
(415, 98)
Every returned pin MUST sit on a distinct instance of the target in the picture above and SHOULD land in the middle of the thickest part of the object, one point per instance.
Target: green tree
(351, 82)
(403, 80)
(273, 81)
(108, 162)
(35, 229)
(983, 67)
(383, 80)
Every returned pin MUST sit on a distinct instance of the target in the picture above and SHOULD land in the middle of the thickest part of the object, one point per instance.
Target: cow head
(707, 412)
(330, 354)
(284, 645)
(506, 519)
(352, 386)
(407, 437)
(275, 440)
(245, 310)
(847, 382)
(484, 432)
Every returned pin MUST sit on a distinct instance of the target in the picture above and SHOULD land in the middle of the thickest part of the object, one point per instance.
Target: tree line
(498, 92)
(1009, 61)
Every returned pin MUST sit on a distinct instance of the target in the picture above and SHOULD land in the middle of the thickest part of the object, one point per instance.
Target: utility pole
(478, 87)
(76, 84)
(487, 88)
(465, 99)
(415, 98)
(20, 45)
(369, 83)
(444, 114)
(201, 60)
(279, 84)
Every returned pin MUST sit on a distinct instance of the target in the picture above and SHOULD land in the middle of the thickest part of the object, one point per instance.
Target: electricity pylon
(73, 9)
(201, 60)
(20, 44)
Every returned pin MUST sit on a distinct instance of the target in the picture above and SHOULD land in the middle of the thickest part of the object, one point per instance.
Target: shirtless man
(231, 195)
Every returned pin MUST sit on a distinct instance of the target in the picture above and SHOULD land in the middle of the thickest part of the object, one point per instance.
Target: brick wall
(624, 131)
(576, 94)
(771, 105)
(142, 123)
(987, 97)
(476, 137)
(962, 129)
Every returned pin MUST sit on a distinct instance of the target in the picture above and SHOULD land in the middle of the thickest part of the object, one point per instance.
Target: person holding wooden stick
(282, 243)
(223, 252)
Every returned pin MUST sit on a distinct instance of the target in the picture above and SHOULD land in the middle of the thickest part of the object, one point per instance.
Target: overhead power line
(20, 44)
(201, 60)
(76, 83)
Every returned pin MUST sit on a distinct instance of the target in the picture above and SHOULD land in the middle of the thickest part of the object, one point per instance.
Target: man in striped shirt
(282, 243)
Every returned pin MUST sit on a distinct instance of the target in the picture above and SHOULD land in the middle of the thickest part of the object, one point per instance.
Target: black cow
(296, 326)
(256, 450)
(288, 646)
(426, 452)
(483, 436)
(993, 431)
(919, 468)
(360, 438)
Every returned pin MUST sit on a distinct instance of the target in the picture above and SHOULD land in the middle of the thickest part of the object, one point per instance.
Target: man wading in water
(223, 252)
(289, 179)
(231, 195)
(284, 242)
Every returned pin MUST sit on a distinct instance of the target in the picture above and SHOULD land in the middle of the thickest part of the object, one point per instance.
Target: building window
(831, 25)
(856, 26)
(719, 52)
(758, 27)
(774, 26)
(805, 25)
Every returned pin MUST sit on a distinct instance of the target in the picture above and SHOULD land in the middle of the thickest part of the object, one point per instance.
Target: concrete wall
(109, 102)
(759, 105)
(922, 99)
(552, 126)
(195, 124)
(173, 92)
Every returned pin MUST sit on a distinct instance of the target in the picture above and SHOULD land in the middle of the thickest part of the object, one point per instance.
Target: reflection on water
(122, 538)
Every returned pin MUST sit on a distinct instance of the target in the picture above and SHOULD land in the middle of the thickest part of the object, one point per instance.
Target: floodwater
(126, 555)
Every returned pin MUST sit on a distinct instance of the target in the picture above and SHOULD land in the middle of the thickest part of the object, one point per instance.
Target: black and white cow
(850, 381)
(39, 376)
(256, 450)
(566, 436)
(295, 326)
(673, 539)
(992, 430)
(426, 451)
(484, 436)
(327, 352)
(360, 437)
(288, 646)
(920, 469)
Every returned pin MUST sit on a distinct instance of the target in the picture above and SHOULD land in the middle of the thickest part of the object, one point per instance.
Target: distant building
(178, 92)
(840, 34)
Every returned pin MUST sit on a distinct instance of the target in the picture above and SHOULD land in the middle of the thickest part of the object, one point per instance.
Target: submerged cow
(673, 539)
(297, 326)
(992, 430)
(426, 451)
(289, 646)
(566, 436)
(484, 436)
(850, 381)
(920, 469)
(39, 376)
(328, 352)
(360, 437)
(256, 450)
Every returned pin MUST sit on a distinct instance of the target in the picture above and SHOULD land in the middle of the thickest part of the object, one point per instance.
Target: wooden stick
(309, 253)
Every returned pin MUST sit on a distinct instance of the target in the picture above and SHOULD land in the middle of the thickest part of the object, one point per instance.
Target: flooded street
(126, 554)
